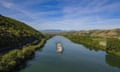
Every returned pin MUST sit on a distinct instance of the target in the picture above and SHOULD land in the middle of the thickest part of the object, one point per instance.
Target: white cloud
(78, 17)
(77, 14)
(79, 24)
(6, 4)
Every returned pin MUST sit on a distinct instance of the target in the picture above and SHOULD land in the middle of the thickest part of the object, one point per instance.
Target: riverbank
(110, 45)
(13, 60)
(93, 43)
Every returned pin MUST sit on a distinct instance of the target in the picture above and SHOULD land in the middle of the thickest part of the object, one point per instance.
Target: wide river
(75, 58)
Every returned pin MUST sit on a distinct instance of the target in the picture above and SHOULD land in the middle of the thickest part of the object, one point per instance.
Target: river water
(75, 58)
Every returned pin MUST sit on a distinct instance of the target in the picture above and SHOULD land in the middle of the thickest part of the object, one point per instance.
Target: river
(75, 58)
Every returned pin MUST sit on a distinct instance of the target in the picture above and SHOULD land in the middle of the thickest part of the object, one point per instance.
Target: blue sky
(64, 14)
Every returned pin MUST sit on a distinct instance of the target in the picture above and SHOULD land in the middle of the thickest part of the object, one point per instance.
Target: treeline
(14, 60)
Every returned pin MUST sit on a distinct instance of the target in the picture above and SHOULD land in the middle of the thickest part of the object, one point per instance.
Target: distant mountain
(14, 32)
(51, 31)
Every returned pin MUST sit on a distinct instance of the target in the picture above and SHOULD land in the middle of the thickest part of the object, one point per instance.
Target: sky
(64, 14)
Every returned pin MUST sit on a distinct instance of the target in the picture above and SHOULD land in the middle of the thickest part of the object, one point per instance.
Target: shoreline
(14, 59)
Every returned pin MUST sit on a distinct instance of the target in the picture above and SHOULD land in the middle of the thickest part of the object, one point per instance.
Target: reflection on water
(92, 48)
(112, 60)
(59, 48)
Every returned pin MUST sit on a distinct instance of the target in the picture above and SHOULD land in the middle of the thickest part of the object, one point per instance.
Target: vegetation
(14, 32)
(14, 59)
(113, 33)
(17, 34)
(113, 46)
(107, 40)
(91, 42)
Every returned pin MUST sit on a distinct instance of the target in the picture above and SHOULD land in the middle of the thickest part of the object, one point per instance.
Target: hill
(107, 40)
(16, 33)
(97, 33)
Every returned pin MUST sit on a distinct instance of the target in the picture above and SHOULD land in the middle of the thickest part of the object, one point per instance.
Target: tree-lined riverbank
(14, 59)
(110, 45)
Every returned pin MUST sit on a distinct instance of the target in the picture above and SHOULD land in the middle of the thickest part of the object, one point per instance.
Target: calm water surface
(75, 58)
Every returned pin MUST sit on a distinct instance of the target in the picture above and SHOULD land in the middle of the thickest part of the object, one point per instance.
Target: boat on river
(59, 48)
